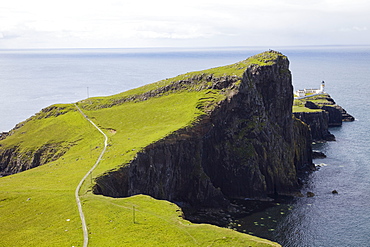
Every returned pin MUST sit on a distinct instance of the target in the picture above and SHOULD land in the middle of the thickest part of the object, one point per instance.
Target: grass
(132, 126)
(158, 221)
(304, 109)
(320, 100)
(37, 206)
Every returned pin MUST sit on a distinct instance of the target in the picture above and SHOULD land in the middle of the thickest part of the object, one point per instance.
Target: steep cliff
(14, 160)
(319, 124)
(247, 146)
(302, 147)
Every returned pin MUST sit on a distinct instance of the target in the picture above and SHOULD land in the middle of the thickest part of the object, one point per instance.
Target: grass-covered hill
(38, 207)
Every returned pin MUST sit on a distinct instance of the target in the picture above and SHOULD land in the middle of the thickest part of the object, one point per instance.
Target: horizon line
(186, 47)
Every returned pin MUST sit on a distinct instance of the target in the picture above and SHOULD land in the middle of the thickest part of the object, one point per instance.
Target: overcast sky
(187, 23)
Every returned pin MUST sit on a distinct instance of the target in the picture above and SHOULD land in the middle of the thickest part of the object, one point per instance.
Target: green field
(37, 206)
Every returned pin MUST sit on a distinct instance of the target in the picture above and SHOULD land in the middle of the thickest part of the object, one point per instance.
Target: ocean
(33, 79)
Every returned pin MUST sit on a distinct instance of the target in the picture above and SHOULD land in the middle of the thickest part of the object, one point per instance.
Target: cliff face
(13, 160)
(248, 146)
(302, 147)
(319, 124)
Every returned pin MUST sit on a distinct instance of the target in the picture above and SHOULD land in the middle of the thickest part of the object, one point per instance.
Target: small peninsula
(320, 112)
(198, 141)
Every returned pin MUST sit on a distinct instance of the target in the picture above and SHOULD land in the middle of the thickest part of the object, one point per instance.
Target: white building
(305, 92)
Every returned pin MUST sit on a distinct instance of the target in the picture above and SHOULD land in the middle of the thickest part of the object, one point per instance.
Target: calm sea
(33, 79)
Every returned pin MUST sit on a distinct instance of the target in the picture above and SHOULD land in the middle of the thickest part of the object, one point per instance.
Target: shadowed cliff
(248, 146)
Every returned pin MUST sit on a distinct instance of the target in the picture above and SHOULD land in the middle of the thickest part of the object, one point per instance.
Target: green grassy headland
(37, 206)
(319, 100)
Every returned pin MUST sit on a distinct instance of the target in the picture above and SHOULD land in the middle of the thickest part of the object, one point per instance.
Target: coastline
(339, 95)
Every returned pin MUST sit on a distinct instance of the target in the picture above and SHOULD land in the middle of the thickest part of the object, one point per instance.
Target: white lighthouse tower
(322, 87)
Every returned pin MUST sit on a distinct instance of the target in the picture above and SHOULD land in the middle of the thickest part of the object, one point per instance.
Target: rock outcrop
(13, 160)
(249, 146)
(319, 125)
(331, 115)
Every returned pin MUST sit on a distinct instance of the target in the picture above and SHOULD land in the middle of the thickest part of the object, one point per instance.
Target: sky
(188, 23)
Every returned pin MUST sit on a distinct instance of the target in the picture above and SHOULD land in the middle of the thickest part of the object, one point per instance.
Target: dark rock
(311, 105)
(248, 147)
(335, 116)
(345, 116)
(318, 155)
(318, 123)
(302, 147)
(334, 192)
(3, 135)
(310, 194)
(13, 161)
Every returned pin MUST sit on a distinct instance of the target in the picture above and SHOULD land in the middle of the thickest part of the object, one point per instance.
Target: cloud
(355, 28)
(360, 29)
(8, 35)
(109, 23)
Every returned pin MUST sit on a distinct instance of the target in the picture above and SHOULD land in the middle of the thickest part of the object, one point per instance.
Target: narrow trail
(308, 96)
(77, 196)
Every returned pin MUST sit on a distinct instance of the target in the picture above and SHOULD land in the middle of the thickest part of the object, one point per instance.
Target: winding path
(77, 196)
(311, 95)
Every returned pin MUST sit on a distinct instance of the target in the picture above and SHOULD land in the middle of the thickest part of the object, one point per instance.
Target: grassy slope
(298, 105)
(37, 207)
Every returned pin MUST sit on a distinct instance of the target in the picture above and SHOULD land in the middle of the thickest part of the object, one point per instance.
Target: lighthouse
(322, 87)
